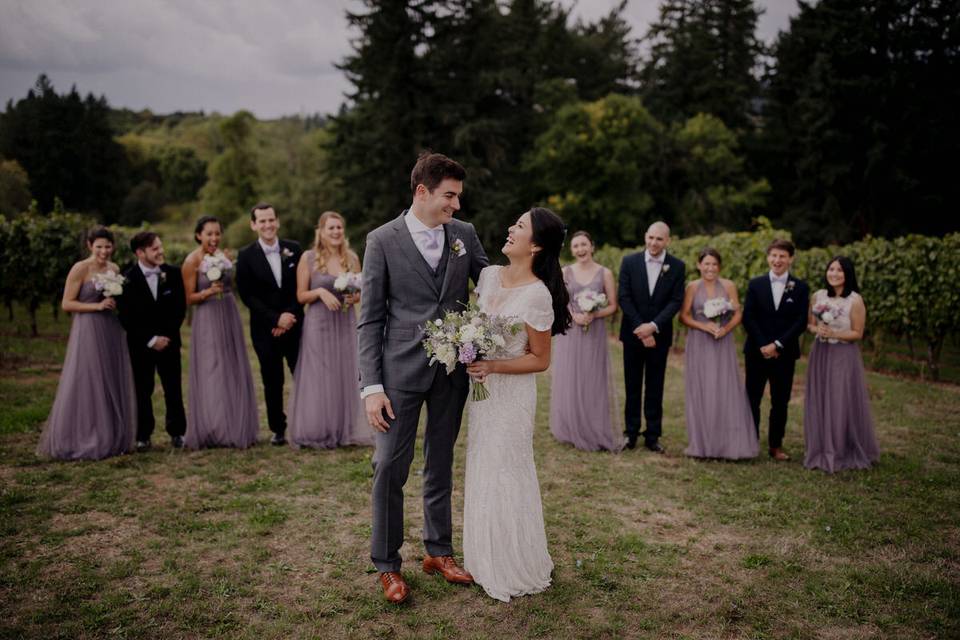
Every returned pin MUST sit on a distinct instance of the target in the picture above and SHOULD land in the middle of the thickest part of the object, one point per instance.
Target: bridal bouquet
(215, 267)
(347, 283)
(826, 312)
(109, 283)
(716, 308)
(589, 301)
(464, 337)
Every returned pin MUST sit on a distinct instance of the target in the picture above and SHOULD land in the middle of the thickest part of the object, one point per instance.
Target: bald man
(650, 295)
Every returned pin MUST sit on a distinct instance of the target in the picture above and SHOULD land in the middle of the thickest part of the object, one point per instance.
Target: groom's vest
(441, 270)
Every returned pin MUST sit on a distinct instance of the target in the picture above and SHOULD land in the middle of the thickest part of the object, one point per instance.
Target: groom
(415, 268)
(267, 283)
(151, 310)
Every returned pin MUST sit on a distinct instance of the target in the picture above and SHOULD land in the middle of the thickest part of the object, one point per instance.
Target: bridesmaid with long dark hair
(719, 421)
(222, 401)
(837, 421)
(94, 412)
(325, 409)
(582, 403)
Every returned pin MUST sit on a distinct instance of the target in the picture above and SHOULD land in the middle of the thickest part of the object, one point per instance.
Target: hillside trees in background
(14, 188)
(66, 145)
(861, 123)
(230, 190)
(702, 58)
(475, 79)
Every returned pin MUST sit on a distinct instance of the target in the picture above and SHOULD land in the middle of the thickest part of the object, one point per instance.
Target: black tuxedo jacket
(765, 324)
(639, 306)
(143, 317)
(258, 288)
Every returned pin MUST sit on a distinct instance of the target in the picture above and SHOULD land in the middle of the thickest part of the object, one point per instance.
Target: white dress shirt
(152, 276)
(273, 257)
(429, 240)
(654, 267)
(778, 284)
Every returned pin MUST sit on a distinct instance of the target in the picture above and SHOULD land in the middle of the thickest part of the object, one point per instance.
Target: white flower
(113, 289)
(438, 322)
(468, 333)
(286, 253)
(458, 248)
(214, 274)
(498, 340)
(342, 281)
(715, 307)
(827, 317)
(666, 268)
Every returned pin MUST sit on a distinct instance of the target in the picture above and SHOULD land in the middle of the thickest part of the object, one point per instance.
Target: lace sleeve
(538, 308)
(483, 282)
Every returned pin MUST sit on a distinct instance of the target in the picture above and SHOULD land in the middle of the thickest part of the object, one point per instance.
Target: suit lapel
(265, 264)
(768, 290)
(140, 281)
(453, 261)
(409, 249)
(643, 275)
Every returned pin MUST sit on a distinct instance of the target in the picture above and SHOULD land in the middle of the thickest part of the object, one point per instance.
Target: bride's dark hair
(548, 233)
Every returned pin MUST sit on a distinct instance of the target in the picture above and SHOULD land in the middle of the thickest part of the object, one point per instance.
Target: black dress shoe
(278, 440)
(655, 446)
(176, 442)
(143, 445)
(631, 442)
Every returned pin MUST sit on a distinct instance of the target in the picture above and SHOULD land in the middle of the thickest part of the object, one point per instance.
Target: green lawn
(272, 543)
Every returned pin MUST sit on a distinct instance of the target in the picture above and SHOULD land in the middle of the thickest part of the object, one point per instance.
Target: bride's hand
(480, 369)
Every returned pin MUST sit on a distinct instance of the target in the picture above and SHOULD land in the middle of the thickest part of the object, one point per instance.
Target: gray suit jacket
(400, 295)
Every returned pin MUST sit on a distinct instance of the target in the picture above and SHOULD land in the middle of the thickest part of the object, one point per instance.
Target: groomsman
(267, 283)
(151, 310)
(651, 294)
(774, 316)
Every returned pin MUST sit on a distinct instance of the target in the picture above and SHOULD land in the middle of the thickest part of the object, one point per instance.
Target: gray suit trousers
(392, 457)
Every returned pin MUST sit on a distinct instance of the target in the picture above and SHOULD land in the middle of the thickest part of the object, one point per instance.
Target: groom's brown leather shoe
(395, 588)
(447, 567)
(779, 454)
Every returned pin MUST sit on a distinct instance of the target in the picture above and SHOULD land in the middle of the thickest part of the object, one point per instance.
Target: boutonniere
(665, 268)
(458, 248)
(162, 277)
(286, 253)
(790, 285)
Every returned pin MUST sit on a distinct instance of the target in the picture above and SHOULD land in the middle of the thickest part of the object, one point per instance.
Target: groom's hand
(375, 404)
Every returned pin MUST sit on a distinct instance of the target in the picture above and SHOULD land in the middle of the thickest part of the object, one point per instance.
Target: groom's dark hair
(432, 169)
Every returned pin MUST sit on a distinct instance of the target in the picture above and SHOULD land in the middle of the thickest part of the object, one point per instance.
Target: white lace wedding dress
(504, 542)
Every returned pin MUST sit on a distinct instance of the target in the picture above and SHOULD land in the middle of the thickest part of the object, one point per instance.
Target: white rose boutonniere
(665, 268)
(790, 285)
(286, 253)
(458, 248)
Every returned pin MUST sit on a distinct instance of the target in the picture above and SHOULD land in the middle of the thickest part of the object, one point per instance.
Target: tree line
(839, 129)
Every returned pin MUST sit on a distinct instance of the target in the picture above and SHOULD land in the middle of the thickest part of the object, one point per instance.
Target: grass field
(272, 543)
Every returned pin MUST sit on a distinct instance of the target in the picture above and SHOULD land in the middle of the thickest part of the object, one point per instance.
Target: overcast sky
(273, 58)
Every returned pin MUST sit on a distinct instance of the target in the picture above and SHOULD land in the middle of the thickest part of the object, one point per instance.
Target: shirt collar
(416, 226)
(145, 270)
(782, 279)
(658, 259)
(267, 249)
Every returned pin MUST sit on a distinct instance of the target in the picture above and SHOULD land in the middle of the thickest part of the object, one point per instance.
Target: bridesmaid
(719, 421)
(837, 422)
(94, 412)
(222, 401)
(325, 409)
(581, 397)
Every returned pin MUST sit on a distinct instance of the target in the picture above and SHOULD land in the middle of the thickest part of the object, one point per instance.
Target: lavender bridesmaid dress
(582, 404)
(325, 409)
(94, 412)
(222, 401)
(837, 421)
(719, 421)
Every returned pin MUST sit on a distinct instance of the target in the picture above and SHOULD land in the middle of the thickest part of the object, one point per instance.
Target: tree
(597, 166)
(860, 124)
(703, 55)
(14, 188)
(65, 143)
(230, 189)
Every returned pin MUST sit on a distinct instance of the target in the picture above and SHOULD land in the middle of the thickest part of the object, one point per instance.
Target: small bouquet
(464, 337)
(717, 308)
(215, 267)
(826, 313)
(109, 283)
(347, 283)
(589, 301)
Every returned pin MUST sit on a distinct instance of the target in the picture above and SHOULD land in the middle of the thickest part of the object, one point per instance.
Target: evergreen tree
(703, 57)
(65, 143)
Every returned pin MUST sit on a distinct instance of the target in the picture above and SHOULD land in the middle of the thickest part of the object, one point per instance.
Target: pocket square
(166, 293)
(789, 300)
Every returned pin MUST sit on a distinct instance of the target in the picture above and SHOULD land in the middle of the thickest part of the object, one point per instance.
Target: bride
(504, 542)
